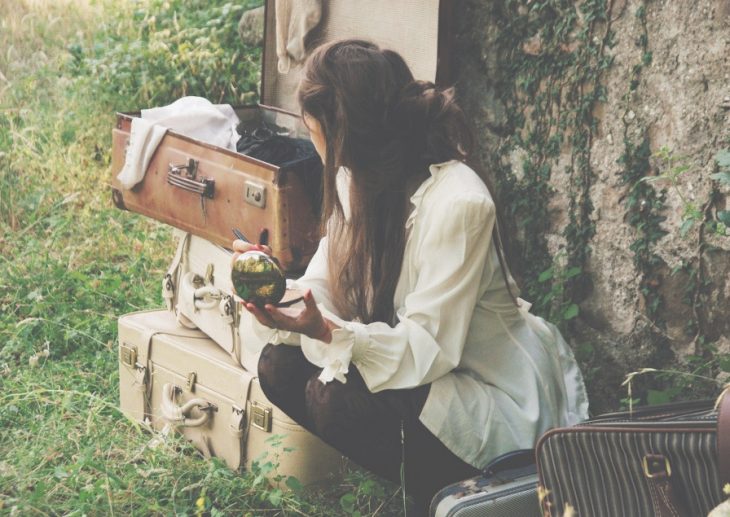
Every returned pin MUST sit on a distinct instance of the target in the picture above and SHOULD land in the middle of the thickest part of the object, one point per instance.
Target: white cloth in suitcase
(198, 289)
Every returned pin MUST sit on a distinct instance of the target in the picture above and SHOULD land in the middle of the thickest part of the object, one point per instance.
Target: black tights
(363, 426)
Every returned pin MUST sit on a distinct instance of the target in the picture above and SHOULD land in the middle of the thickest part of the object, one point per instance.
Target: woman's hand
(308, 321)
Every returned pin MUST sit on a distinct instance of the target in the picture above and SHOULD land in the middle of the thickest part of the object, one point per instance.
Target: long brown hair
(386, 128)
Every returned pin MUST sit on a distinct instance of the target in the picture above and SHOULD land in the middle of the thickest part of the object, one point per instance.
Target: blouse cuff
(334, 357)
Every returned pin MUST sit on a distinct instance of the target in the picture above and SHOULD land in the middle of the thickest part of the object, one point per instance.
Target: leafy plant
(560, 308)
(722, 176)
(722, 158)
(674, 168)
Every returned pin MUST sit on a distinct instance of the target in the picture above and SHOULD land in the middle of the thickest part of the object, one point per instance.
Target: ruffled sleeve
(428, 340)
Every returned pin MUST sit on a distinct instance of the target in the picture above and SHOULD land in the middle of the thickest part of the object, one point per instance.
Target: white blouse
(500, 376)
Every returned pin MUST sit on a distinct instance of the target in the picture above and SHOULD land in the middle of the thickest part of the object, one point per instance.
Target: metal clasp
(128, 355)
(261, 416)
(191, 380)
(190, 168)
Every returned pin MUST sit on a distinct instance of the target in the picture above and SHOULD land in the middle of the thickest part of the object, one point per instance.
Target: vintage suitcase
(177, 377)
(507, 488)
(656, 460)
(208, 190)
(197, 288)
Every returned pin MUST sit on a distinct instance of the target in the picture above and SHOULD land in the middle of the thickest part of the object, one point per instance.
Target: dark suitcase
(656, 460)
(507, 488)
(208, 190)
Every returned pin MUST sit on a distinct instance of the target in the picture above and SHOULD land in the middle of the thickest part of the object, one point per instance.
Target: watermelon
(257, 279)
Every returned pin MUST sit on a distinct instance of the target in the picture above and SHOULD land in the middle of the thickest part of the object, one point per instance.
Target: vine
(644, 204)
(555, 78)
(556, 54)
(645, 212)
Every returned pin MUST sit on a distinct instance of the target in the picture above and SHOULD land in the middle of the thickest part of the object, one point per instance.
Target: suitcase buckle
(128, 355)
(652, 464)
(261, 416)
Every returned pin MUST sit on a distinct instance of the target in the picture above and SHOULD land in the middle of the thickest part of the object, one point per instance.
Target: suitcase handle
(189, 179)
(206, 297)
(518, 459)
(178, 415)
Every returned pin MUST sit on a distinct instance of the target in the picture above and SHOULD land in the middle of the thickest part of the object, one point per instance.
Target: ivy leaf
(571, 312)
(574, 271)
(722, 177)
(347, 502)
(725, 364)
(275, 497)
(545, 275)
(723, 158)
(294, 484)
(686, 226)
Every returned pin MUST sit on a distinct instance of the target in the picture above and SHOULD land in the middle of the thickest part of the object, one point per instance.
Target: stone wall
(653, 287)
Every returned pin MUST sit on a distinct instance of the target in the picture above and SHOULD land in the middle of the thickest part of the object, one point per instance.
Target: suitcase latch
(128, 355)
(254, 194)
(191, 380)
(261, 416)
(185, 176)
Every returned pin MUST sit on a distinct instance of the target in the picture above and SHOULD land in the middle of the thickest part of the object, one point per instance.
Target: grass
(70, 264)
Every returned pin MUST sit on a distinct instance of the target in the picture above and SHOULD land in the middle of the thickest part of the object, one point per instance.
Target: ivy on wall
(554, 57)
(553, 85)
(644, 204)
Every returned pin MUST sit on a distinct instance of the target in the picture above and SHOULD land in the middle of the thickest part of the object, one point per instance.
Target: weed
(555, 303)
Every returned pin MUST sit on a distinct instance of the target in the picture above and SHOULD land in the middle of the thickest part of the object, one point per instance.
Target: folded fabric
(294, 20)
(195, 117)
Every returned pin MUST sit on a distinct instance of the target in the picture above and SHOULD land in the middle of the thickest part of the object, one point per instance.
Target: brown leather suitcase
(208, 190)
(178, 379)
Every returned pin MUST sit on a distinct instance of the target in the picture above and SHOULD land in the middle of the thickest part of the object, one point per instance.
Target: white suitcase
(178, 378)
(198, 290)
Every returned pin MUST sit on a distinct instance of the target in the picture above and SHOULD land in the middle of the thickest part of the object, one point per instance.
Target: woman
(410, 326)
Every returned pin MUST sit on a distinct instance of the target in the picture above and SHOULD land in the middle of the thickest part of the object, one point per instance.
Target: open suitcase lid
(417, 29)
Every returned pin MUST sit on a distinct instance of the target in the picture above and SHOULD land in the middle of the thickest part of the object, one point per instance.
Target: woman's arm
(428, 340)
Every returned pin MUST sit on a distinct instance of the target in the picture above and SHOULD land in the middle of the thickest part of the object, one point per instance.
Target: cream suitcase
(197, 288)
(178, 377)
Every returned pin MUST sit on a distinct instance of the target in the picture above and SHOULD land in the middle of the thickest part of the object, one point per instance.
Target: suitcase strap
(171, 278)
(664, 499)
(142, 374)
(723, 434)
